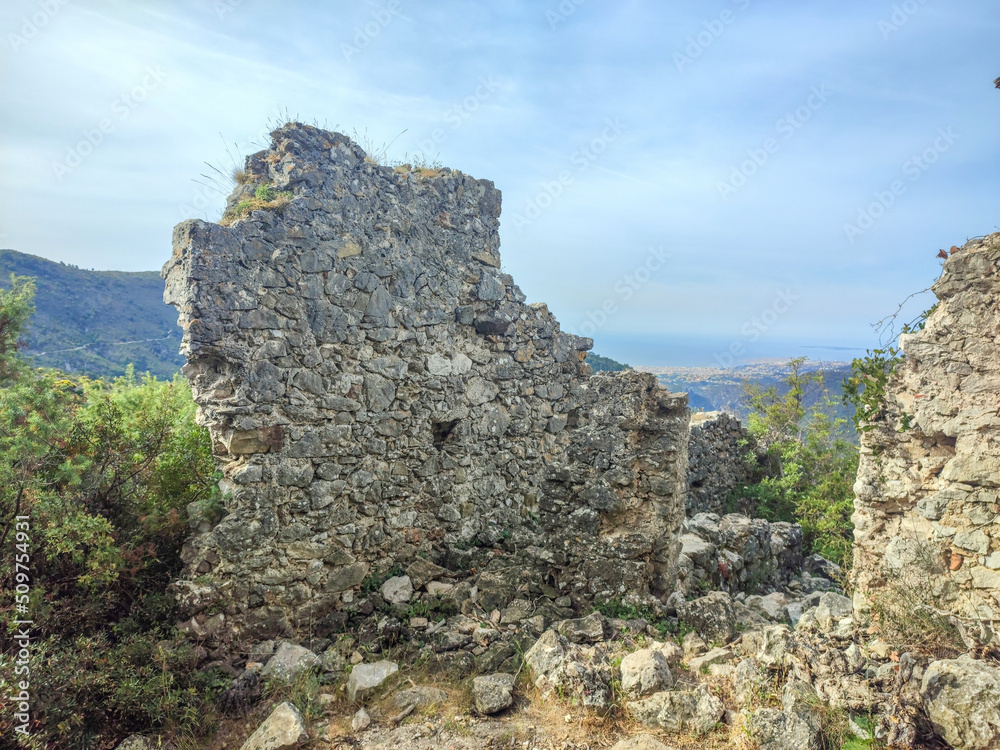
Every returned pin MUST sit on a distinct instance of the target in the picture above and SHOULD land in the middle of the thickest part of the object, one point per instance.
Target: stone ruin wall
(927, 516)
(378, 393)
(722, 456)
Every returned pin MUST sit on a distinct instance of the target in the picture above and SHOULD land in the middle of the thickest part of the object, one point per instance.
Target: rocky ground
(790, 666)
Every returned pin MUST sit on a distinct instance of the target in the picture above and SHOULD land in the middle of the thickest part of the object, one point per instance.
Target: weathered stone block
(366, 678)
(493, 693)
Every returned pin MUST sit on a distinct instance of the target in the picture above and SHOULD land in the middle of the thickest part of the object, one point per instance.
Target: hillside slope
(97, 322)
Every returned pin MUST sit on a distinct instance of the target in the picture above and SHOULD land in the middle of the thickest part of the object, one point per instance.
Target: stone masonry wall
(927, 512)
(378, 393)
(722, 456)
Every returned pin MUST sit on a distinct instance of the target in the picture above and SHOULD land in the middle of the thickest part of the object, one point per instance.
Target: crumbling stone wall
(735, 553)
(723, 456)
(378, 392)
(929, 481)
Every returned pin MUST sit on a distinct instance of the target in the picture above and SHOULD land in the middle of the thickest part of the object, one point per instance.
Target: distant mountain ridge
(97, 322)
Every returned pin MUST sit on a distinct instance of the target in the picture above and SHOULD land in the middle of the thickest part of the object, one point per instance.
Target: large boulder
(283, 729)
(712, 615)
(962, 699)
(645, 672)
(365, 678)
(772, 729)
(289, 662)
(493, 693)
(689, 711)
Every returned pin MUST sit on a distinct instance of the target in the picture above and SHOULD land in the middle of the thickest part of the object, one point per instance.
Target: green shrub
(104, 471)
(816, 464)
(265, 198)
(865, 389)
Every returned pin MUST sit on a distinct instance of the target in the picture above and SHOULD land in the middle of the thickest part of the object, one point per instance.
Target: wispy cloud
(231, 72)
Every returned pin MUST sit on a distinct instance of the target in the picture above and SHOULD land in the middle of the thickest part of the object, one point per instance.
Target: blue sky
(679, 179)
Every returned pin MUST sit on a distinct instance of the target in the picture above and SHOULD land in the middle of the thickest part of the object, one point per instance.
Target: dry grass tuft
(904, 613)
(265, 198)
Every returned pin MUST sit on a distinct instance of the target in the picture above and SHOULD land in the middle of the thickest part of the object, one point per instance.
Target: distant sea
(706, 351)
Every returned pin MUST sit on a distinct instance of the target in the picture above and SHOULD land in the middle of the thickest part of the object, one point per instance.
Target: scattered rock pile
(811, 685)
(735, 553)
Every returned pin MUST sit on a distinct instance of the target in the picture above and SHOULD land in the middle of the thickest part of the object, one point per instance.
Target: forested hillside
(97, 322)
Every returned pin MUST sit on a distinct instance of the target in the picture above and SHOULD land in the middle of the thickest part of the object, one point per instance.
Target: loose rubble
(962, 699)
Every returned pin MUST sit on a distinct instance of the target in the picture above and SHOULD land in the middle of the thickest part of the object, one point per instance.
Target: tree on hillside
(816, 462)
(776, 417)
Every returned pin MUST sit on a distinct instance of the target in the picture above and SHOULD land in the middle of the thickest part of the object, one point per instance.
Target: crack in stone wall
(379, 392)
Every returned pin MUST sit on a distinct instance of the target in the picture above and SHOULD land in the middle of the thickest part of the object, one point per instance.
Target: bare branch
(887, 324)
